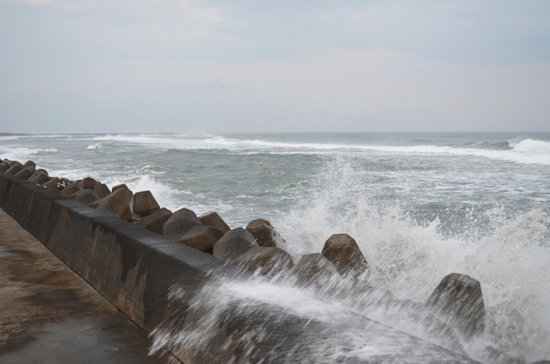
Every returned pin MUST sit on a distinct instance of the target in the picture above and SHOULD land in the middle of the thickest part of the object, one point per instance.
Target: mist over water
(420, 206)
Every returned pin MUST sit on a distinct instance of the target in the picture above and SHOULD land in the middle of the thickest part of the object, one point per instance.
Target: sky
(147, 66)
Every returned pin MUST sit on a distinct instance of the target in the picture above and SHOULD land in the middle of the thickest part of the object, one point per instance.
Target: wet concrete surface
(48, 314)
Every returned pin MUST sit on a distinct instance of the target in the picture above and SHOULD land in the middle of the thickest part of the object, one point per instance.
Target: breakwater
(132, 267)
(163, 283)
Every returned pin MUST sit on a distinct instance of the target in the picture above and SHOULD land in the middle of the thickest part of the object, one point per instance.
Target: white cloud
(105, 29)
(351, 90)
(40, 2)
(295, 67)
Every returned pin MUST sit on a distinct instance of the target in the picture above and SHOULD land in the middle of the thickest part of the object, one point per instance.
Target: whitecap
(534, 146)
(20, 153)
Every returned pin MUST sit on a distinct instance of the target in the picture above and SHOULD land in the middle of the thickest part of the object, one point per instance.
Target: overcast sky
(273, 66)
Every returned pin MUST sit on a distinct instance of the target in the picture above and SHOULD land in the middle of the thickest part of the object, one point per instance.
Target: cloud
(292, 66)
(442, 31)
(80, 31)
(40, 2)
(448, 31)
(333, 90)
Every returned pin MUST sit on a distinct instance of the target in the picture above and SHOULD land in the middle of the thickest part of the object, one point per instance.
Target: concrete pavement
(48, 314)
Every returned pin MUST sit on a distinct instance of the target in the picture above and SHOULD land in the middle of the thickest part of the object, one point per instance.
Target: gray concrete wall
(132, 267)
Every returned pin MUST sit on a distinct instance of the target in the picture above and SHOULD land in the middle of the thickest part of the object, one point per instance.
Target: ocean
(419, 205)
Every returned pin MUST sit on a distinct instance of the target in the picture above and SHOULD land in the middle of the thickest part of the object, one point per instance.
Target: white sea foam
(93, 146)
(343, 333)
(409, 259)
(508, 254)
(527, 151)
(513, 282)
(9, 137)
(20, 153)
(510, 261)
(530, 145)
(160, 141)
(30, 136)
(45, 136)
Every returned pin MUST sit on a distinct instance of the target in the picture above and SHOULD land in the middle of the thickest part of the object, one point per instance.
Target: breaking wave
(527, 151)
(407, 259)
(21, 153)
(530, 145)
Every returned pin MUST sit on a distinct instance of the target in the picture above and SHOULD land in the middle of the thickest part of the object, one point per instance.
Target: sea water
(420, 206)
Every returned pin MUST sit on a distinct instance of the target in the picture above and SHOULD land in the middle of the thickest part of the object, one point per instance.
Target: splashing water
(407, 260)
(419, 206)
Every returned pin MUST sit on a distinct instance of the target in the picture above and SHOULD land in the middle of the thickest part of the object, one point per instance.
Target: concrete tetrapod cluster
(457, 300)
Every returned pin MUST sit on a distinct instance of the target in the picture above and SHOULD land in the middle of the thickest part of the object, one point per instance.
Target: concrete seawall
(132, 267)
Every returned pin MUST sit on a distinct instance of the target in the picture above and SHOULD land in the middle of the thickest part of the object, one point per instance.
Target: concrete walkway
(48, 314)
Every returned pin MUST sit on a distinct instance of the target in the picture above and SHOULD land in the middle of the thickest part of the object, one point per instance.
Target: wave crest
(531, 145)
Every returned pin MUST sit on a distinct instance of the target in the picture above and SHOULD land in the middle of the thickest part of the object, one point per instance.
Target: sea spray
(509, 257)
(419, 205)
(407, 259)
(338, 304)
(275, 321)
